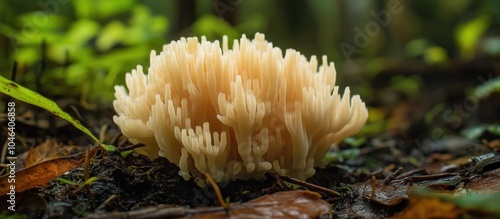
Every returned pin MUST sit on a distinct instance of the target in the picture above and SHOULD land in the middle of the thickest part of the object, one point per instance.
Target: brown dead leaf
(364, 205)
(47, 151)
(429, 208)
(388, 195)
(489, 181)
(494, 145)
(289, 204)
(43, 172)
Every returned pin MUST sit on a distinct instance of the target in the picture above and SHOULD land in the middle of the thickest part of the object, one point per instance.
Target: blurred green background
(411, 61)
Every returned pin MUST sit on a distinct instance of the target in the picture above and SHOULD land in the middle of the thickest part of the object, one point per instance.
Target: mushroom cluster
(236, 113)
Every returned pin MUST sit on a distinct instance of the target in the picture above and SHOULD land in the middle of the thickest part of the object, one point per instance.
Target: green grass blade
(26, 95)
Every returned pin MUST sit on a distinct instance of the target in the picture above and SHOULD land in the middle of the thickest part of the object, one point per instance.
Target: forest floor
(398, 172)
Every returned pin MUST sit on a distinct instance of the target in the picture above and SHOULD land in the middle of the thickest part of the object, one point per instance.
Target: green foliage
(435, 55)
(355, 141)
(23, 94)
(409, 85)
(472, 200)
(475, 131)
(101, 9)
(487, 88)
(492, 46)
(7, 215)
(340, 156)
(214, 28)
(467, 35)
(88, 54)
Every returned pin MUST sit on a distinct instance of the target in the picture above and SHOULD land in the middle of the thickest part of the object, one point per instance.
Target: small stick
(308, 185)
(374, 187)
(392, 176)
(217, 191)
(86, 173)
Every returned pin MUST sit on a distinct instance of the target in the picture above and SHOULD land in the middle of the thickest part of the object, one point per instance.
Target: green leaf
(90, 180)
(112, 34)
(82, 31)
(435, 55)
(476, 131)
(410, 85)
(492, 46)
(108, 147)
(101, 8)
(487, 88)
(65, 181)
(214, 28)
(355, 141)
(340, 156)
(467, 35)
(473, 132)
(26, 95)
(479, 201)
(494, 128)
(144, 27)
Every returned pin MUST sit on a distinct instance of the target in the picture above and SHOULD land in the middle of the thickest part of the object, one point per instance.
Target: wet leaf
(486, 162)
(26, 95)
(289, 204)
(364, 205)
(43, 172)
(388, 195)
(489, 181)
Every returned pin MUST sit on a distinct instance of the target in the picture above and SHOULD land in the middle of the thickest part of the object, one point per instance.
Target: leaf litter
(461, 184)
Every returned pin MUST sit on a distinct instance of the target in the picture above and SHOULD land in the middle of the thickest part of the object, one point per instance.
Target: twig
(217, 191)
(102, 207)
(374, 187)
(392, 176)
(86, 173)
(130, 147)
(147, 213)
(409, 173)
(307, 185)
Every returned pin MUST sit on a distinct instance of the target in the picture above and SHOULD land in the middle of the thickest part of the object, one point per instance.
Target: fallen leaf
(489, 181)
(428, 208)
(289, 204)
(479, 204)
(47, 151)
(301, 204)
(388, 195)
(486, 162)
(43, 172)
(363, 205)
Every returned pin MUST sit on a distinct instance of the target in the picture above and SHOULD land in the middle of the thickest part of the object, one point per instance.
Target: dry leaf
(43, 172)
(47, 151)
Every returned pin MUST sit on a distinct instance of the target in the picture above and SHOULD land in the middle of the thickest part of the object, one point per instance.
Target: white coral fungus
(236, 113)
